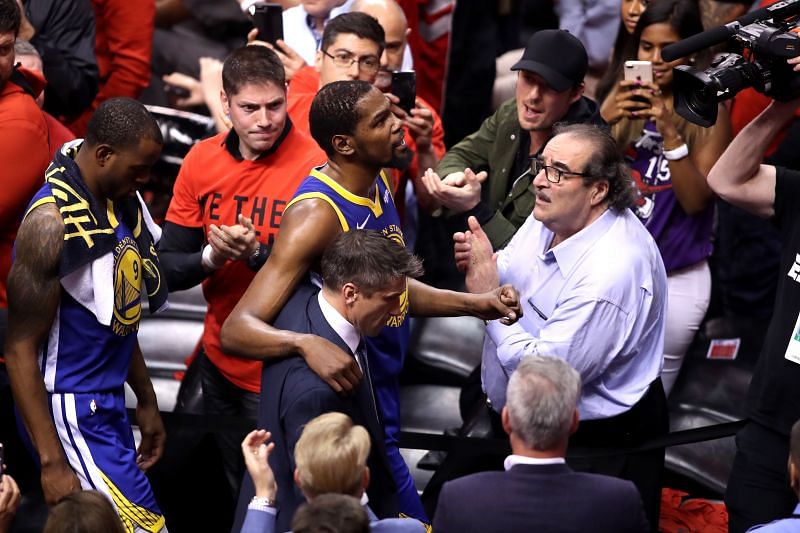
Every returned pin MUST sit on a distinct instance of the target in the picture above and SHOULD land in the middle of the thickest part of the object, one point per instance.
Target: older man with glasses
(593, 291)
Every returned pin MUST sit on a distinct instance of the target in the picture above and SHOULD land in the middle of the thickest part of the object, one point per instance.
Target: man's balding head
(391, 17)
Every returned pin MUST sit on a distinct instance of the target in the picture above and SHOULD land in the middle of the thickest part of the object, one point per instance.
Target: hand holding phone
(268, 20)
(404, 86)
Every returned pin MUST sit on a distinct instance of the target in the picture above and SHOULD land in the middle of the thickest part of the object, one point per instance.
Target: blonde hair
(331, 455)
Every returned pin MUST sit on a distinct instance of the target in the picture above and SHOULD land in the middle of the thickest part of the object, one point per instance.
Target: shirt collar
(340, 325)
(513, 460)
(231, 142)
(570, 251)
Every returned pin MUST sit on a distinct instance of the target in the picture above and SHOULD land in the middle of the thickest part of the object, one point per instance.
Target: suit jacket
(291, 395)
(550, 498)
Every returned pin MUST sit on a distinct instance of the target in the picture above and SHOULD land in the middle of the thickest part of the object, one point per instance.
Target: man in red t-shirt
(224, 216)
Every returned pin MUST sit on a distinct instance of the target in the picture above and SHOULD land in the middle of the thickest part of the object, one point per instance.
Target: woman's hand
(624, 103)
(662, 114)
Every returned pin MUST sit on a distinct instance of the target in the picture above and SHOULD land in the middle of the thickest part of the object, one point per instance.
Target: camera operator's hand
(624, 104)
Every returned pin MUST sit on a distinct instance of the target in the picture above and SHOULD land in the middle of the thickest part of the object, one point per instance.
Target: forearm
(31, 400)
(250, 337)
(139, 379)
(430, 301)
(742, 159)
(689, 185)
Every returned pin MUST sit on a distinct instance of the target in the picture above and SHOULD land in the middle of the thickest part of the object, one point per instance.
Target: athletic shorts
(98, 442)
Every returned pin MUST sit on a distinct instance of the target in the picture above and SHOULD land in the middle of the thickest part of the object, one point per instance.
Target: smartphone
(177, 92)
(268, 19)
(639, 70)
(404, 86)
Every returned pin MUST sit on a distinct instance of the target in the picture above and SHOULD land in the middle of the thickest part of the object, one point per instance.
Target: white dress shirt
(597, 300)
(339, 324)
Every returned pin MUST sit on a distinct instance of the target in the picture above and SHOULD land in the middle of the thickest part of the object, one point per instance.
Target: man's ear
(576, 93)
(102, 153)
(506, 420)
(343, 144)
(576, 418)
(226, 105)
(318, 61)
(365, 479)
(600, 192)
(350, 293)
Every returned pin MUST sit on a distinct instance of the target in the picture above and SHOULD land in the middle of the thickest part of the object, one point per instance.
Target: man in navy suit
(364, 275)
(538, 491)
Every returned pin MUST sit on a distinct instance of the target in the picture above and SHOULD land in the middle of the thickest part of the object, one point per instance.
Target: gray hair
(605, 163)
(542, 395)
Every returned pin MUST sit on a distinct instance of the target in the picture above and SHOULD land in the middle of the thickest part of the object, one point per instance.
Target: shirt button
(513, 136)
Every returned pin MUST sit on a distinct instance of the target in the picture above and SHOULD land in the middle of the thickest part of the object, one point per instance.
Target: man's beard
(401, 159)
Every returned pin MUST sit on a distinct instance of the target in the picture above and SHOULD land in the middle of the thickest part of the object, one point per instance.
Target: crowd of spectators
(578, 218)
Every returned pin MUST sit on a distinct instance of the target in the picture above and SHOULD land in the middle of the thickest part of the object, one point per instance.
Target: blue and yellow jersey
(81, 353)
(387, 350)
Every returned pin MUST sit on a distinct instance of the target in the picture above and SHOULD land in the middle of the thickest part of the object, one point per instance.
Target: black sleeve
(180, 251)
(787, 194)
(65, 38)
(257, 261)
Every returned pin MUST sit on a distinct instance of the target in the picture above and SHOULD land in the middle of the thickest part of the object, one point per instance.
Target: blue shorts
(98, 443)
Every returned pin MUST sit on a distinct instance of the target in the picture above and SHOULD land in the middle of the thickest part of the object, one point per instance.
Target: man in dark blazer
(364, 274)
(538, 491)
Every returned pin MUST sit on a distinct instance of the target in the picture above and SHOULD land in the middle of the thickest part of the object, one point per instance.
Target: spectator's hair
(331, 513)
(331, 455)
(10, 17)
(334, 111)
(684, 17)
(25, 48)
(605, 163)
(122, 123)
(86, 511)
(542, 395)
(794, 444)
(251, 64)
(357, 23)
(367, 259)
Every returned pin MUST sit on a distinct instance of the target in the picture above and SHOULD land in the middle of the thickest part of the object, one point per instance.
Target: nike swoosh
(361, 226)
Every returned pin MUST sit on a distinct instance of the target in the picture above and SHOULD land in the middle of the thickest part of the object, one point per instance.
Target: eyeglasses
(366, 64)
(553, 174)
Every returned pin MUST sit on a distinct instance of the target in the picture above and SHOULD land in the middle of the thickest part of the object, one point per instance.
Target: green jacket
(494, 148)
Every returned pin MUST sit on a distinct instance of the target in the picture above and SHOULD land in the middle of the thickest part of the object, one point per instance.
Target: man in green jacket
(549, 90)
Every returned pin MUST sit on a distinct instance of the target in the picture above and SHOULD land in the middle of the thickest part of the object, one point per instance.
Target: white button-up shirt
(597, 300)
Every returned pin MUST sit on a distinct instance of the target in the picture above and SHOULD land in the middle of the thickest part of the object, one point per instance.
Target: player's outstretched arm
(33, 297)
(306, 230)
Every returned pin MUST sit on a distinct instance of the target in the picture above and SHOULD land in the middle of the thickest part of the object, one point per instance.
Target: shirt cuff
(252, 506)
(500, 334)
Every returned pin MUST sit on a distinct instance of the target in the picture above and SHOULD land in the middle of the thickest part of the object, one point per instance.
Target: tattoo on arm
(33, 284)
(33, 296)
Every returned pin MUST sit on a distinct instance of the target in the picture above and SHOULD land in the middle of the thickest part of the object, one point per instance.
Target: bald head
(390, 16)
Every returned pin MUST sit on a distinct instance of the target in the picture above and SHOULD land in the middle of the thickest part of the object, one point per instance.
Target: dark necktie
(363, 361)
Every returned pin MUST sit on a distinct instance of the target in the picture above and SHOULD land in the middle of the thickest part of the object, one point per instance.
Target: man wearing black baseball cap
(549, 90)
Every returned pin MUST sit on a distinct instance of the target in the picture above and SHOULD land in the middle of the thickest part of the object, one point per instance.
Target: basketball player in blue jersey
(84, 256)
(353, 123)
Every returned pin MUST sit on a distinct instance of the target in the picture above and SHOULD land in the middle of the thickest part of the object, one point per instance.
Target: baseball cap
(557, 56)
